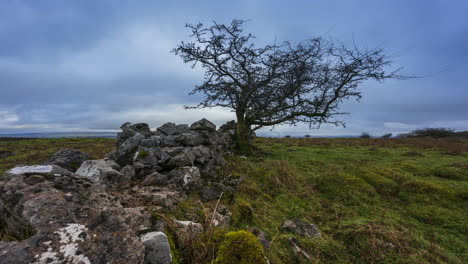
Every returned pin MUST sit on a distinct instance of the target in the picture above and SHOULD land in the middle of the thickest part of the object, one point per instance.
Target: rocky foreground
(75, 210)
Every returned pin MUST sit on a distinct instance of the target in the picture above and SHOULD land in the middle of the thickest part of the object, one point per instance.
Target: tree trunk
(243, 135)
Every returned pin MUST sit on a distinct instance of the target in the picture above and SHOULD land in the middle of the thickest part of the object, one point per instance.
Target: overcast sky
(93, 65)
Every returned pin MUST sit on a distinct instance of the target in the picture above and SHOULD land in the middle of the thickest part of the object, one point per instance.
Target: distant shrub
(287, 136)
(364, 135)
(431, 132)
(307, 136)
(462, 134)
(388, 135)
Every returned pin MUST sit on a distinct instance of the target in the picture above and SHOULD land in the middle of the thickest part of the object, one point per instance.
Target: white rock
(97, 170)
(31, 169)
(69, 236)
(190, 175)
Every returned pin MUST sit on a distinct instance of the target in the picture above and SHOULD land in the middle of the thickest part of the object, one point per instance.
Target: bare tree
(278, 84)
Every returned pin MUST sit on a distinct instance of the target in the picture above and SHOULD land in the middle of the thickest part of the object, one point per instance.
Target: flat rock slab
(102, 171)
(35, 169)
(69, 219)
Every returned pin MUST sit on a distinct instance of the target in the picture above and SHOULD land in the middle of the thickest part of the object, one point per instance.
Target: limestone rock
(171, 146)
(173, 151)
(125, 152)
(232, 181)
(129, 130)
(187, 231)
(98, 214)
(184, 158)
(163, 156)
(157, 248)
(230, 125)
(155, 179)
(191, 139)
(44, 170)
(152, 142)
(101, 171)
(128, 172)
(70, 220)
(203, 124)
(33, 179)
(189, 177)
(202, 154)
(221, 217)
(146, 156)
(301, 228)
(69, 159)
(164, 196)
(171, 129)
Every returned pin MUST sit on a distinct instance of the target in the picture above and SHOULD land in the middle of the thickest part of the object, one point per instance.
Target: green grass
(374, 200)
(378, 201)
(36, 151)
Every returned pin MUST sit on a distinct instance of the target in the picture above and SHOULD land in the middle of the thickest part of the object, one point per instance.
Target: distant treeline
(425, 132)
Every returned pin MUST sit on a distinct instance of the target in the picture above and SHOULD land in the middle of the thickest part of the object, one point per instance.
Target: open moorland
(373, 200)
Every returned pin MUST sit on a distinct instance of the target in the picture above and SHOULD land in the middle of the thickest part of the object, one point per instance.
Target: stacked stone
(173, 154)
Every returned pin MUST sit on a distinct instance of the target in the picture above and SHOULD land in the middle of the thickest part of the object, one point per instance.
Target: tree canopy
(278, 83)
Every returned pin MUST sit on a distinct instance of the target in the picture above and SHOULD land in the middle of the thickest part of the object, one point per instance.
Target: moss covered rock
(240, 247)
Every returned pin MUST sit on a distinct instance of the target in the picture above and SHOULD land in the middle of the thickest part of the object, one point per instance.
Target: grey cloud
(95, 64)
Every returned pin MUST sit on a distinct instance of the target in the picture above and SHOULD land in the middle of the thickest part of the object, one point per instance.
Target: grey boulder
(191, 139)
(70, 159)
(189, 177)
(151, 142)
(169, 129)
(301, 228)
(203, 124)
(128, 172)
(125, 152)
(129, 130)
(230, 125)
(155, 179)
(102, 171)
(184, 158)
(157, 248)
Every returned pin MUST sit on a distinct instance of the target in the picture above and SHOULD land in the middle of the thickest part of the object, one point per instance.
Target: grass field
(36, 150)
(374, 200)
